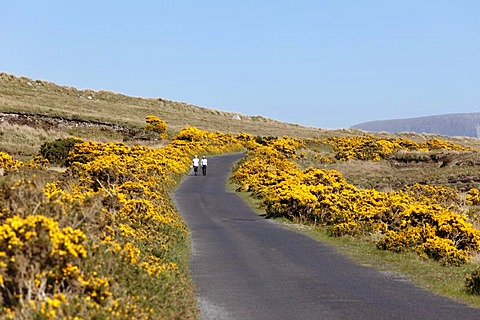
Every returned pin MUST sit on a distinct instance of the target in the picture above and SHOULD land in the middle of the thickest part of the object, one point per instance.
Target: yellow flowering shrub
(419, 218)
(442, 234)
(191, 134)
(375, 149)
(324, 159)
(438, 194)
(36, 163)
(157, 125)
(294, 201)
(443, 250)
(89, 151)
(256, 172)
(473, 197)
(401, 240)
(247, 140)
(7, 163)
(119, 197)
(287, 146)
(437, 144)
(51, 252)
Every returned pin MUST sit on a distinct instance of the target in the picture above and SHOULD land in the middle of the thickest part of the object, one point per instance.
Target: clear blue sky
(329, 64)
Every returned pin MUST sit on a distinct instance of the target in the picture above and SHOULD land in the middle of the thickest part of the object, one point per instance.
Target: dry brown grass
(24, 141)
(385, 175)
(19, 94)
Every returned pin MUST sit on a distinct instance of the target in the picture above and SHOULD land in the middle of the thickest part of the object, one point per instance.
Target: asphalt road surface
(247, 267)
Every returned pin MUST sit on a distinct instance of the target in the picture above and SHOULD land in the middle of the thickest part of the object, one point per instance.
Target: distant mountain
(456, 124)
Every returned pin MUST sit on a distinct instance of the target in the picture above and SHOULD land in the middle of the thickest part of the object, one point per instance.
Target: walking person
(203, 163)
(195, 163)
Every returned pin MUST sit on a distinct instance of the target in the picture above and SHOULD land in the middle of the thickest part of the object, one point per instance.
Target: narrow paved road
(247, 267)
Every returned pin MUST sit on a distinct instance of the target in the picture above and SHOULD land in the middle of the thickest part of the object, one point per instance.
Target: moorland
(88, 227)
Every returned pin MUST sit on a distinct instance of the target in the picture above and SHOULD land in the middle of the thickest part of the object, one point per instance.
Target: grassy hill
(33, 112)
(20, 94)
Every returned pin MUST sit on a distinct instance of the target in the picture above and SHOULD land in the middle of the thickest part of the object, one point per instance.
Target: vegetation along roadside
(83, 193)
(415, 232)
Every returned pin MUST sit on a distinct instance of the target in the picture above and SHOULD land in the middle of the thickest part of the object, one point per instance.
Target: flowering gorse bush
(287, 146)
(7, 163)
(473, 197)
(24, 236)
(419, 218)
(105, 234)
(443, 195)
(156, 125)
(375, 149)
(102, 239)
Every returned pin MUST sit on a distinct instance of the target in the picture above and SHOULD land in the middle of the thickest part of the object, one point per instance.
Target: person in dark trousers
(203, 163)
(195, 162)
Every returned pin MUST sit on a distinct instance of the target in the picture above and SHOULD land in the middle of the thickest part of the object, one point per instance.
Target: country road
(247, 267)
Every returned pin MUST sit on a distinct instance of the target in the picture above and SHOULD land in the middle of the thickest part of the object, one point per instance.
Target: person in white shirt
(203, 163)
(195, 162)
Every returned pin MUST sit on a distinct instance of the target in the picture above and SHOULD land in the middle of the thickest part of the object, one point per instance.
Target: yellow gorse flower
(323, 197)
(126, 190)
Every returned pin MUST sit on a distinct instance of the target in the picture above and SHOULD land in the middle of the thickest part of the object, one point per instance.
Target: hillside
(457, 124)
(33, 112)
(24, 95)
